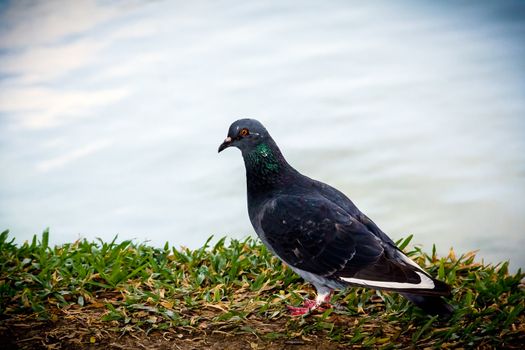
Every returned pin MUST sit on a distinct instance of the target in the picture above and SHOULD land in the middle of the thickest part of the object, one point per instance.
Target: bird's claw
(307, 307)
(298, 310)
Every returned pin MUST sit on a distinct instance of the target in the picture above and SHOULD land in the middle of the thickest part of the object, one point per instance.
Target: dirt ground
(74, 333)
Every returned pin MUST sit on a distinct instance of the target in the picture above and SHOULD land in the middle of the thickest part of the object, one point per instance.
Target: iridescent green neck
(266, 168)
(262, 158)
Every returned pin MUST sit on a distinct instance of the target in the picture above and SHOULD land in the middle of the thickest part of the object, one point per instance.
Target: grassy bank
(123, 294)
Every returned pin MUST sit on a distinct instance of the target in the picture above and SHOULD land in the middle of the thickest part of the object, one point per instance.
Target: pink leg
(326, 298)
(308, 305)
(311, 305)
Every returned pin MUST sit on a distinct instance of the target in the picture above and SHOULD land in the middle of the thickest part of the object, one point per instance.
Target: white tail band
(425, 283)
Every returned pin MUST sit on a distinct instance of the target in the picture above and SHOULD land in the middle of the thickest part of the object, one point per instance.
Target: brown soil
(82, 332)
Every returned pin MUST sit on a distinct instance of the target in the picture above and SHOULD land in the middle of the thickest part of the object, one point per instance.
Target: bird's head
(245, 134)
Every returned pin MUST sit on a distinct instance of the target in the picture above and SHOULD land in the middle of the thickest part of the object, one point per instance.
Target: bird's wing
(315, 235)
(334, 195)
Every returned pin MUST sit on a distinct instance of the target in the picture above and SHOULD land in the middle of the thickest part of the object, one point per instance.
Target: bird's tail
(433, 305)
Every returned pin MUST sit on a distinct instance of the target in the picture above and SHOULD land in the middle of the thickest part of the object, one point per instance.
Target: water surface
(111, 114)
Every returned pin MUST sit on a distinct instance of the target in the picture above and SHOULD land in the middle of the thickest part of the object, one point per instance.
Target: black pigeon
(320, 233)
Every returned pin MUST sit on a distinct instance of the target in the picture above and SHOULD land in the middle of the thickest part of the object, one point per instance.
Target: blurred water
(111, 115)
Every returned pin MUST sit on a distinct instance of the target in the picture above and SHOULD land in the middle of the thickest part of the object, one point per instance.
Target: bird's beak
(227, 143)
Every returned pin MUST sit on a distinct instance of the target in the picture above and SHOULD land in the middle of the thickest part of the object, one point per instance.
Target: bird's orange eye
(244, 132)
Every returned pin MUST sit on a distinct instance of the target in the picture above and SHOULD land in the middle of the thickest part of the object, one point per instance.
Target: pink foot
(308, 306)
(298, 310)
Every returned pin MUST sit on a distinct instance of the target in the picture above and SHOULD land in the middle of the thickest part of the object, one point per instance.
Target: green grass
(238, 287)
